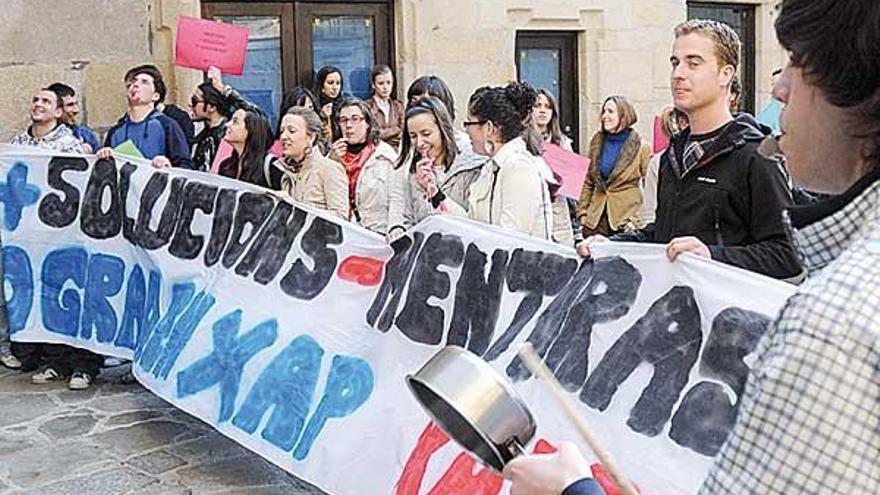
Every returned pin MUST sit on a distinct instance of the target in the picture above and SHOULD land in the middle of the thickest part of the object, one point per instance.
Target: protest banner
(570, 166)
(291, 331)
(201, 43)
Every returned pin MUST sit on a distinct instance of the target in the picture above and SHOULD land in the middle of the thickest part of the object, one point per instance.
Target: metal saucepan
(473, 405)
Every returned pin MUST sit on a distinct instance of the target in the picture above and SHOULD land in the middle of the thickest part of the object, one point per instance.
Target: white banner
(291, 332)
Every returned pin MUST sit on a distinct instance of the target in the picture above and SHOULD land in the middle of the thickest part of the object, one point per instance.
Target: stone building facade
(615, 47)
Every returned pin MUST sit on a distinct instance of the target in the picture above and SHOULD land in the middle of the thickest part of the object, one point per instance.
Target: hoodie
(156, 135)
(732, 200)
(60, 139)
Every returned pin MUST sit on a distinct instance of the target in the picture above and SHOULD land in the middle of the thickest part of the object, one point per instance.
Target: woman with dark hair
(512, 189)
(387, 111)
(434, 86)
(546, 116)
(431, 86)
(457, 171)
(297, 96)
(250, 136)
(428, 145)
(566, 229)
(328, 89)
(368, 162)
(611, 198)
(309, 177)
(233, 101)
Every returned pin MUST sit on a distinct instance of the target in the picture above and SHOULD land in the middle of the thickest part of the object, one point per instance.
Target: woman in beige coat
(309, 177)
(611, 197)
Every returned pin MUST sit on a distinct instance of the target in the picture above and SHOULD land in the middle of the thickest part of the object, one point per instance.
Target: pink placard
(201, 43)
(661, 141)
(570, 166)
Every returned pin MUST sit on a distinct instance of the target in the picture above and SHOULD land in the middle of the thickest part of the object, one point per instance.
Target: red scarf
(353, 164)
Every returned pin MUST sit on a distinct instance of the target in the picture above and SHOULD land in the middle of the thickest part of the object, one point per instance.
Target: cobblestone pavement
(120, 439)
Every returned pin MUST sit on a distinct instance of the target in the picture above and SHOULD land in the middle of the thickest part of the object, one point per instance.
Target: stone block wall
(88, 44)
(623, 45)
(623, 48)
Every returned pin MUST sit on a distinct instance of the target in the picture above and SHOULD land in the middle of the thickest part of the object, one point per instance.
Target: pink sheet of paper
(570, 166)
(202, 43)
(661, 142)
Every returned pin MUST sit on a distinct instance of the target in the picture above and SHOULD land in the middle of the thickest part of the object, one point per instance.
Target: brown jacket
(318, 181)
(621, 194)
(390, 126)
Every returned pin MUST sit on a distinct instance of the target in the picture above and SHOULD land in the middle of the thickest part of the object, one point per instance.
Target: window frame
(567, 44)
(296, 19)
(306, 13)
(285, 13)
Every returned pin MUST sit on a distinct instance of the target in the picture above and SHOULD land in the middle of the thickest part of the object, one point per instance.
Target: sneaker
(10, 362)
(79, 381)
(48, 375)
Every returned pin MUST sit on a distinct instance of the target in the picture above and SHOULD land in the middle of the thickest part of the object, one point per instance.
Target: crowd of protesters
(387, 165)
(712, 191)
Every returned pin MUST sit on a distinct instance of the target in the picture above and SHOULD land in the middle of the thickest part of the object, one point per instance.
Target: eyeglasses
(468, 123)
(355, 119)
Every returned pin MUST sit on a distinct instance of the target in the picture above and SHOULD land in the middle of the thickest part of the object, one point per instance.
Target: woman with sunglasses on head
(428, 125)
(309, 177)
(428, 146)
(369, 163)
(512, 189)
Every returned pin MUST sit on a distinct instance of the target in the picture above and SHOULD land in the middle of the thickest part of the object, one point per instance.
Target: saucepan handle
(516, 448)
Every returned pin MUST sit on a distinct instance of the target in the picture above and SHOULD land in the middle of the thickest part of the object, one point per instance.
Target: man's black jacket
(732, 200)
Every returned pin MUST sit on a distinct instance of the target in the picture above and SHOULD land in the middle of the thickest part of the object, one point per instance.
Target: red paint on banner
(544, 447)
(361, 270)
(430, 441)
(460, 477)
(606, 481)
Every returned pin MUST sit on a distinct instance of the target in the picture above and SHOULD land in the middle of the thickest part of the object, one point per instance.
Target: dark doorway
(548, 60)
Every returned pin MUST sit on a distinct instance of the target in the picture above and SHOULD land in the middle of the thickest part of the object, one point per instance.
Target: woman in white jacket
(369, 164)
(511, 191)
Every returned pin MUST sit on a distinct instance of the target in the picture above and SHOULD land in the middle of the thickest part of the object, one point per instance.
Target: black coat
(732, 200)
